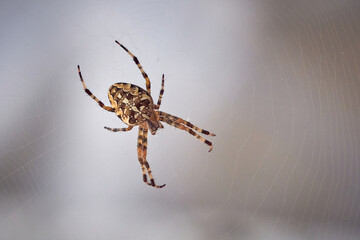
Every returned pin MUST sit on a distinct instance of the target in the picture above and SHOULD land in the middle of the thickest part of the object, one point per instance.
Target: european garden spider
(135, 107)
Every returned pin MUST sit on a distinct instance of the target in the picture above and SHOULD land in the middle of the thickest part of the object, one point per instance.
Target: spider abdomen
(132, 104)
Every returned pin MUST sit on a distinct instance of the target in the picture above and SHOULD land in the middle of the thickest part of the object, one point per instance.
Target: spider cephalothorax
(135, 107)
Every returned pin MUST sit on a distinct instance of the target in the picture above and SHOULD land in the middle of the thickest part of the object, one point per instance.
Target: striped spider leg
(185, 125)
(142, 151)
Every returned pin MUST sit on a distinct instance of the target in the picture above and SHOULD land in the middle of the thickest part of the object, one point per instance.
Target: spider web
(277, 81)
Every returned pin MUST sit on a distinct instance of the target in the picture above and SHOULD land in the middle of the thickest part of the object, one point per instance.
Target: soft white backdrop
(277, 81)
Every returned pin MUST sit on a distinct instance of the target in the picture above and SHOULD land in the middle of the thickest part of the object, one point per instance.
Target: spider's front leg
(186, 126)
(142, 151)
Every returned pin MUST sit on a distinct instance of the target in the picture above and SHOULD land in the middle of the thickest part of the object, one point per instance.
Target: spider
(135, 107)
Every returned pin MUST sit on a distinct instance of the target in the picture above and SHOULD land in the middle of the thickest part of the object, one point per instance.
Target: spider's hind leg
(101, 104)
(157, 106)
(148, 88)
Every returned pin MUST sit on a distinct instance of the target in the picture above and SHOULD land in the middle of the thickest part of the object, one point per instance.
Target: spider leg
(142, 147)
(119, 129)
(101, 104)
(139, 66)
(182, 121)
(161, 93)
(140, 157)
(189, 130)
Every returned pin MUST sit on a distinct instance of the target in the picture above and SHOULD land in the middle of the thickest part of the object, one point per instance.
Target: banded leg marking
(148, 89)
(182, 121)
(182, 127)
(143, 132)
(140, 156)
(161, 93)
(101, 104)
(144, 141)
(119, 129)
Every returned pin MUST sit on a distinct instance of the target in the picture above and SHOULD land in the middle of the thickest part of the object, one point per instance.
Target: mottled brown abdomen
(132, 104)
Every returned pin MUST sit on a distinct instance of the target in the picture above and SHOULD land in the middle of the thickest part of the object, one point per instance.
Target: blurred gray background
(277, 81)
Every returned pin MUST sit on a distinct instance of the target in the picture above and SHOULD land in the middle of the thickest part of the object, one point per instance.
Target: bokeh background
(277, 81)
